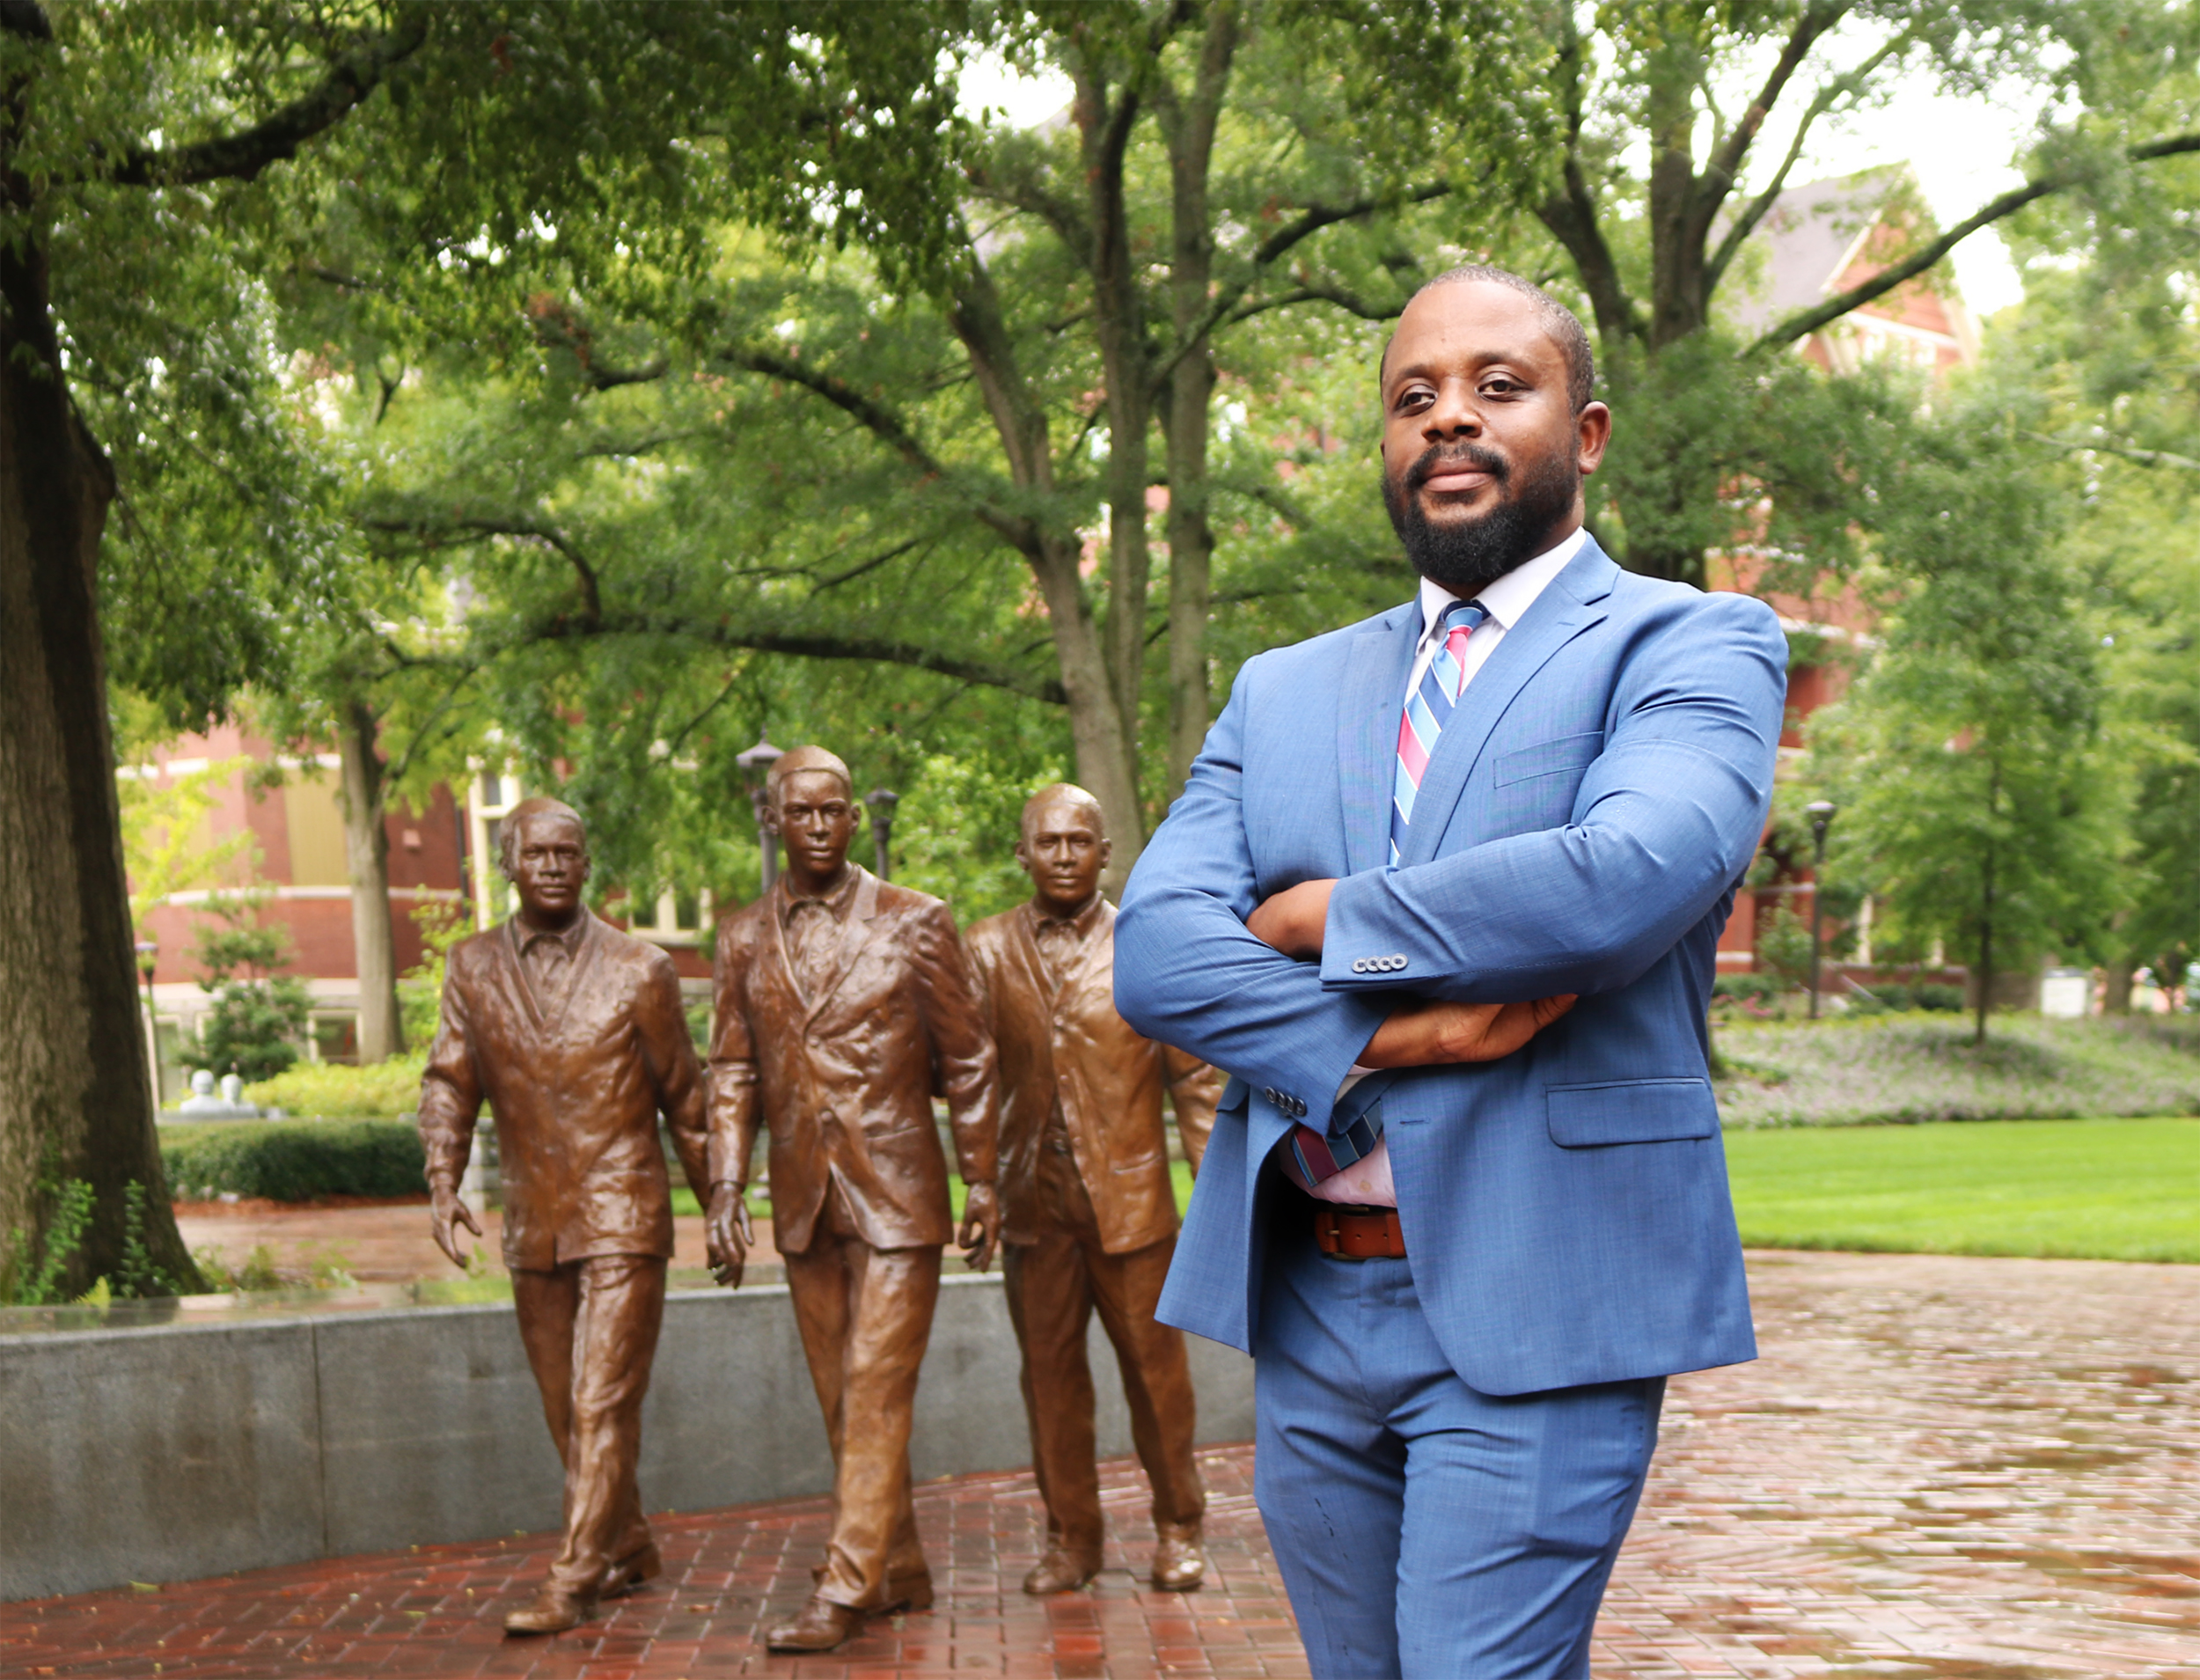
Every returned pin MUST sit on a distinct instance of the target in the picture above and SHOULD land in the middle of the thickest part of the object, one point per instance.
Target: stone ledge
(179, 1452)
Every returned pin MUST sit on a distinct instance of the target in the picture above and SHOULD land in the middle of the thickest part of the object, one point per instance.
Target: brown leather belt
(1359, 1233)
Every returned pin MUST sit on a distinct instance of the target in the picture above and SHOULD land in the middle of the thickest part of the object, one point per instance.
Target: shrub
(293, 1160)
(325, 1090)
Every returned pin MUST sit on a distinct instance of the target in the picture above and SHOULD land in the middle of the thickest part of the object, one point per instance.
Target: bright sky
(1959, 147)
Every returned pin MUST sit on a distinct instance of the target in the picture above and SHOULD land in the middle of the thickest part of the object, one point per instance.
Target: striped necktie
(1428, 711)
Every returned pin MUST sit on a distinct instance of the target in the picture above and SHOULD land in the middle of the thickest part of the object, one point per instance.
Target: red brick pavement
(1940, 1470)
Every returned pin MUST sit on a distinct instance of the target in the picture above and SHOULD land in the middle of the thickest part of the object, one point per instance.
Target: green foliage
(257, 1270)
(71, 1201)
(2090, 1189)
(442, 925)
(137, 1277)
(293, 1160)
(328, 1090)
(1978, 802)
(257, 1015)
(1863, 1069)
(956, 832)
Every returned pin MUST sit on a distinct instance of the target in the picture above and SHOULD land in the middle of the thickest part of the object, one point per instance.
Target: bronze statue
(573, 1033)
(843, 1003)
(1089, 1214)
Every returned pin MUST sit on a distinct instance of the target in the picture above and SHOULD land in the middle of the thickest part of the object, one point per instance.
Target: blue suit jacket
(1581, 827)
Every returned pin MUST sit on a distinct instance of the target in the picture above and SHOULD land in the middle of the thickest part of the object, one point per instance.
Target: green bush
(329, 1091)
(293, 1160)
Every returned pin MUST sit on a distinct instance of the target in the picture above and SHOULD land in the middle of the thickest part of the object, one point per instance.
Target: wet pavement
(1941, 1469)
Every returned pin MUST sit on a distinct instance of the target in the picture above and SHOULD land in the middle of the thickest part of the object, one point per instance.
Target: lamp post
(148, 959)
(881, 802)
(1821, 820)
(757, 761)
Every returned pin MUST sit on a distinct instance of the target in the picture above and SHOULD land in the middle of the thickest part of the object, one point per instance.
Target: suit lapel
(1571, 603)
(855, 932)
(522, 986)
(1373, 698)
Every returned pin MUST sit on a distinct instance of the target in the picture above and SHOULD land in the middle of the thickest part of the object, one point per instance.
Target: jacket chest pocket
(1564, 755)
(1630, 1110)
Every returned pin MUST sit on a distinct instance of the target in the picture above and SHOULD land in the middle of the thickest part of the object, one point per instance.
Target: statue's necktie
(1427, 710)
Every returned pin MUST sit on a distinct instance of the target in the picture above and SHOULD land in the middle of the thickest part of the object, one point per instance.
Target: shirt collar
(1081, 924)
(836, 902)
(570, 936)
(1510, 597)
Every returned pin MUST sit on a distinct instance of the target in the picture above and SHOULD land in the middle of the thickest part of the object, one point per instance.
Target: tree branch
(876, 418)
(241, 157)
(1350, 302)
(1809, 320)
(2123, 451)
(1725, 162)
(514, 525)
(874, 649)
(1309, 222)
(1758, 208)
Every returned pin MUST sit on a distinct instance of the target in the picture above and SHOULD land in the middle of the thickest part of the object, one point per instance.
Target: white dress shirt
(1367, 1183)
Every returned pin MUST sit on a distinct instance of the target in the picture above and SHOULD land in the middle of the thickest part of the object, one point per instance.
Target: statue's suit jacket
(844, 1079)
(1580, 827)
(576, 1089)
(1072, 1046)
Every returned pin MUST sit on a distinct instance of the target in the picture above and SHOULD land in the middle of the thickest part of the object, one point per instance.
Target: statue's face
(816, 818)
(549, 866)
(1063, 851)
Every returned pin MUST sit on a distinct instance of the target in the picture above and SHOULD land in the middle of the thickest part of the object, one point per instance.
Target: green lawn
(2109, 1190)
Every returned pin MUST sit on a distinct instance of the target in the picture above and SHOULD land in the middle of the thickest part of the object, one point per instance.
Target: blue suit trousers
(1425, 1529)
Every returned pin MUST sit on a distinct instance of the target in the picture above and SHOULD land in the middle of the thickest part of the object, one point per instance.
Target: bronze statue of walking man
(574, 1034)
(1089, 1214)
(843, 1003)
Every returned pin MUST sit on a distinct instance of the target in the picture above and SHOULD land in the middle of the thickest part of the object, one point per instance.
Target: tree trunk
(2115, 994)
(75, 1098)
(1985, 952)
(367, 856)
(1106, 749)
(1104, 132)
(1189, 125)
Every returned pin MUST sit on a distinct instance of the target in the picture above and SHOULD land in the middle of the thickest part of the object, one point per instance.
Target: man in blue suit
(1465, 1223)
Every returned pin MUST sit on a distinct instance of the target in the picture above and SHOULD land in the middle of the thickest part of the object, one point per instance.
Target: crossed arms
(1664, 821)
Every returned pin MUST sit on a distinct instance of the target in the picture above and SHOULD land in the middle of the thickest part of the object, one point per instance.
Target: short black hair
(1561, 323)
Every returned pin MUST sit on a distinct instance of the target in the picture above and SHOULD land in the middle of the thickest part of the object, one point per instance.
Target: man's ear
(1107, 850)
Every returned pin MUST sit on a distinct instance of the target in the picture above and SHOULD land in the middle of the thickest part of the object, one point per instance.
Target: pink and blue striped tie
(1319, 1156)
(1426, 713)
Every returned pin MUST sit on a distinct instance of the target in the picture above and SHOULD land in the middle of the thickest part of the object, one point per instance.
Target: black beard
(1468, 557)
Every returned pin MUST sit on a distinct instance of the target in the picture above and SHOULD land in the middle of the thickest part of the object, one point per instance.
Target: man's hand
(1293, 920)
(1427, 1035)
(981, 1226)
(728, 1233)
(445, 1214)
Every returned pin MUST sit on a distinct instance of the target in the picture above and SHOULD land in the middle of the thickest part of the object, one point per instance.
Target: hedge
(292, 1160)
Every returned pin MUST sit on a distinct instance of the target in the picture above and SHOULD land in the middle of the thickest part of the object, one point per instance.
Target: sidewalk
(1941, 1468)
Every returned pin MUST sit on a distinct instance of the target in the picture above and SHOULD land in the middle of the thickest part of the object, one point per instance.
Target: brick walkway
(1940, 1470)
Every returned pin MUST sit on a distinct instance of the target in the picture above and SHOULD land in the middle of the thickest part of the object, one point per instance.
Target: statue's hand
(446, 1214)
(730, 1233)
(981, 1226)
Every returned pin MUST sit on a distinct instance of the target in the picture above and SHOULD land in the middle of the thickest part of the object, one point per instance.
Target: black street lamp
(1821, 820)
(148, 959)
(881, 802)
(757, 761)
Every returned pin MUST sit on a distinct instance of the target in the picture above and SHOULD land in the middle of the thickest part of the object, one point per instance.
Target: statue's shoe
(820, 1626)
(554, 1610)
(1180, 1564)
(1061, 1570)
(910, 1591)
(644, 1563)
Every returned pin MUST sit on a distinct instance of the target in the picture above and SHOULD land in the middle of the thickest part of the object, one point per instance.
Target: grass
(2095, 1189)
(1911, 1068)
